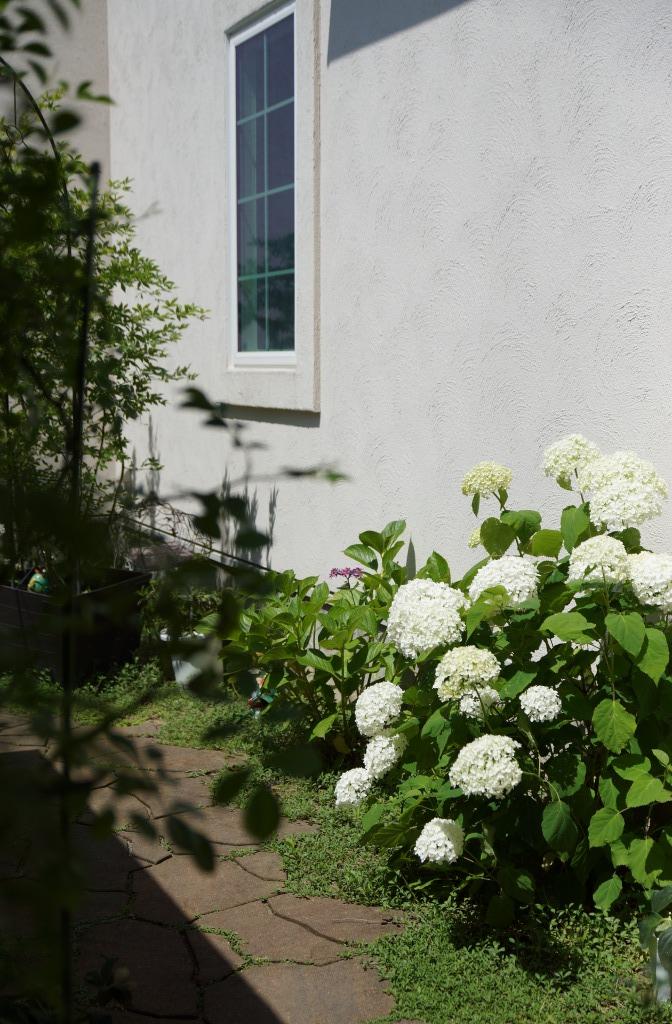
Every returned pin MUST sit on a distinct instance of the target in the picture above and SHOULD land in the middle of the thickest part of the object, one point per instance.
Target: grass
(446, 967)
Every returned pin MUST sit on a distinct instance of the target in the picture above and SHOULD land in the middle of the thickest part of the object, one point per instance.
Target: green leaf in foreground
(628, 629)
(606, 826)
(655, 655)
(571, 626)
(546, 542)
(323, 727)
(496, 537)
(607, 893)
(436, 568)
(363, 554)
(574, 522)
(558, 827)
(613, 725)
(647, 790)
(517, 883)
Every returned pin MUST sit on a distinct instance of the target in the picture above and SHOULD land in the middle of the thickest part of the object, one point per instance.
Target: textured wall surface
(496, 252)
(80, 55)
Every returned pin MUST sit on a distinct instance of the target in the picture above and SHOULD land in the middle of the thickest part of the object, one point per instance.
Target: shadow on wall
(234, 531)
(354, 24)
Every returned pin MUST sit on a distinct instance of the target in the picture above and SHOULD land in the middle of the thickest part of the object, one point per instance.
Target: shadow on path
(226, 947)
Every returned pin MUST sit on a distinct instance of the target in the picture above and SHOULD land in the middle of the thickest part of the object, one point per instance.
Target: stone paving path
(227, 947)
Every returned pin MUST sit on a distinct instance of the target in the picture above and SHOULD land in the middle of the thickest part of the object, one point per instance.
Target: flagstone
(215, 959)
(158, 961)
(340, 922)
(264, 864)
(339, 993)
(177, 891)
(263, 934)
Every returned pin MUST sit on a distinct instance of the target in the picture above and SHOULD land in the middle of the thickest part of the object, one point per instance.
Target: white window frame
(237, 358)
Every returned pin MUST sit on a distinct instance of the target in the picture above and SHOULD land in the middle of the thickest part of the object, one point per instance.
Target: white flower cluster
(623, 490)
(474, 538)
(651, 579)
(518, 576)
(464, 668)
(377, 706)
(353, 787)
(424, 614)
(568, 456)
(599, 559)
(382, 753)
(487, 478)
(440, 842)
(474, 703)
(487, 767)
(541, 703)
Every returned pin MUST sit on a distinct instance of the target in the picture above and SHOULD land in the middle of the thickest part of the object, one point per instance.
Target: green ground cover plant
(552, 966)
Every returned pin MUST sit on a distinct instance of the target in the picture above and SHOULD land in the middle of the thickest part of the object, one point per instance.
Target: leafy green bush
(522, 715)
(319, 648)
(134, 321)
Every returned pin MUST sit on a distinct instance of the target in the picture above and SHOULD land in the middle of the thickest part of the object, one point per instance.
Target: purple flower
(347, 573)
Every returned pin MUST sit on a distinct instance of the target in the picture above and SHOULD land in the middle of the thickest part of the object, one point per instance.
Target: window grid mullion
(264, 110)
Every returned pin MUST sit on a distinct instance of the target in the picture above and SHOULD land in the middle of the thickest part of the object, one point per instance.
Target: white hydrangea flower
(464, 668)
(424, 614)
(600, 559)
(651, 579)
(475, 538)
(518, 576)
(440, 842)
(487, 767)
(353, 787)
(567, 456)
(541, 703)
(377, 706)
(473, 702)
(382, 753)
(623, 490)
(487, 478)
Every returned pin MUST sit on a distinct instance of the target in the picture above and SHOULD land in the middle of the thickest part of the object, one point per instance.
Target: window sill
(263, 360)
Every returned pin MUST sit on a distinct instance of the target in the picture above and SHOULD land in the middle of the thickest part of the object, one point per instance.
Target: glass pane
(281, 313)
(251, 157)
(280, 42)
(281, 230)
(281, 147)
(250, 77)
(251, 233)
(251, 316)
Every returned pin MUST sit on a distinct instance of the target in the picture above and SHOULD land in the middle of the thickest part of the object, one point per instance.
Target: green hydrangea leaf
(496, 537)
(574, 522)
(606, 826)
(628, 629)
(546, 542)
(558, 827)
(655, 655)
(647, 790)
(570, 626)
(517, 883)
(613, 725)
(606, 894)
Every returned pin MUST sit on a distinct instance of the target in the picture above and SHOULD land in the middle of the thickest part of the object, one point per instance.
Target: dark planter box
(109, 634)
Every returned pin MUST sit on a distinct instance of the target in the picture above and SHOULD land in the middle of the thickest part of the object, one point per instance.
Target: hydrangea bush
(517, 735)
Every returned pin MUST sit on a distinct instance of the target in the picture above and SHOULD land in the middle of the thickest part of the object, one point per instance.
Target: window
(263, 184)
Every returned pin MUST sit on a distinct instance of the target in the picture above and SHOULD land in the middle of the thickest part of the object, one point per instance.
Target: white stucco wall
(495, 249)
